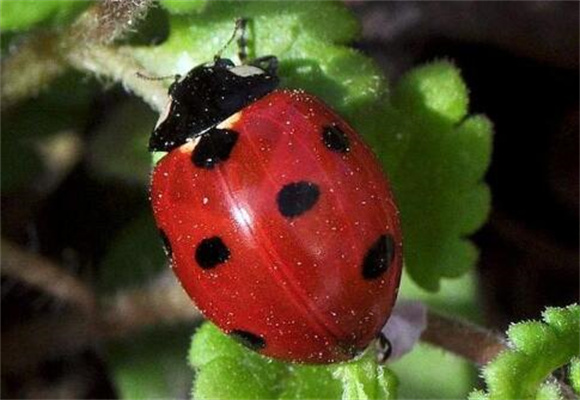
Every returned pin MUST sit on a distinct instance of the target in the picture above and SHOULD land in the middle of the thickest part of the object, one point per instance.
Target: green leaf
(241, 382)
(435, 89)
(364, 379)
(226, 370)
(549, 391)
(438, 171)
(209, 344)
(19, 15)
(538, 348)
(311, 382)
(477, 395)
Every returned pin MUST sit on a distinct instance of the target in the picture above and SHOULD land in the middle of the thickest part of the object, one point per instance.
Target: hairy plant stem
(111, 63)
(463, 338)
(108, 20)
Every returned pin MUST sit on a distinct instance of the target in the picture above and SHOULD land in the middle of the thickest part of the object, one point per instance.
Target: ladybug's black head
(209, 94)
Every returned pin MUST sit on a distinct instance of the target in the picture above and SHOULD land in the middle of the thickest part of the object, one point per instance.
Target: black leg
(384, 348)
(175, 77)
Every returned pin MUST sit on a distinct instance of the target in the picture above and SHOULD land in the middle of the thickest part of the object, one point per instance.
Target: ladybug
(277, 218)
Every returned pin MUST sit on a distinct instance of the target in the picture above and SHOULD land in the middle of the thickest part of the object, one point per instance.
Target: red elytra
(283, 230)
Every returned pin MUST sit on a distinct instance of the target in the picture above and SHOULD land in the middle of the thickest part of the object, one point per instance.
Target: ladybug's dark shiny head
(209, 94)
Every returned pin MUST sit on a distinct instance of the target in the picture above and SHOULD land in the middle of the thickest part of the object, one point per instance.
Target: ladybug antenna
(243, 40)
(240, 26)
(157, 78)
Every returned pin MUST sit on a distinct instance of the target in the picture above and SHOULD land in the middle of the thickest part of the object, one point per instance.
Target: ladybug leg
(146, 77)
(383, 348)
(267, 63)
(175, 77)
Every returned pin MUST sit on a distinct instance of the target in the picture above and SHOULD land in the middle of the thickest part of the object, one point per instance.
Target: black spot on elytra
(335, 139)
(211, 252)
(166, 243)
(296, 198)
(214, 146)
(379, 257)
(248, 339)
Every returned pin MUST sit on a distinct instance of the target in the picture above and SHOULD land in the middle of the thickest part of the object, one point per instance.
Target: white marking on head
(165, 113)
(246, 70)
(189, 145)
(230, 121)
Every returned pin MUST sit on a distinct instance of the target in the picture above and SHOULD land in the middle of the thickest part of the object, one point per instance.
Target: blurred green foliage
(183, 7)
(35, 122)
(20, 15)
